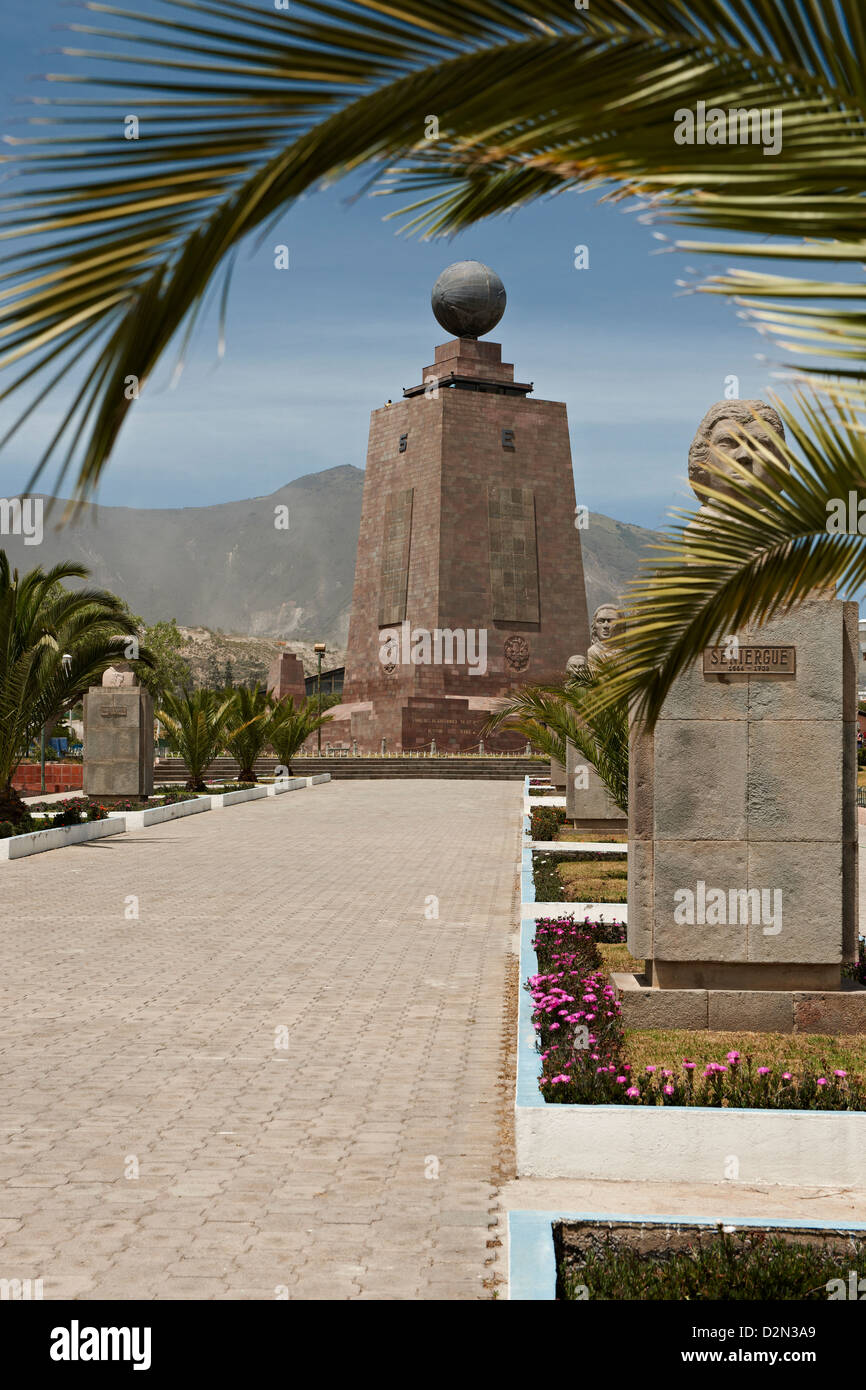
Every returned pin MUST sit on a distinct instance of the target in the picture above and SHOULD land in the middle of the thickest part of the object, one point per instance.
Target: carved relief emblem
(517, 653)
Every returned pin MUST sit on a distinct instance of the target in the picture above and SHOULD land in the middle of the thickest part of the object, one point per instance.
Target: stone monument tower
(469, 579)
(742, 892)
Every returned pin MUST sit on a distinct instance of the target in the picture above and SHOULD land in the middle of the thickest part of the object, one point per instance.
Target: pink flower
(632, 1091)
(822, 1081)
(733, 1056)
(688, 1066)
(763, 1071)
(669, 1090)
(621, 1080)
(840, 1073)
(650, 1070)
(786, 1076)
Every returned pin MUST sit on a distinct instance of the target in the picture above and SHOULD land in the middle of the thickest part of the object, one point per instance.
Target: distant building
(332, 682)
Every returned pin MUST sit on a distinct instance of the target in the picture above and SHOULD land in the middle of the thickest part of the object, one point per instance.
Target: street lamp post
(319, 649)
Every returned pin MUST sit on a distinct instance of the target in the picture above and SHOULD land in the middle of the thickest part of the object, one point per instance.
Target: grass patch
(795, 1052)
(594, 881)
(570, 833)
(589, 878)
(619, 957)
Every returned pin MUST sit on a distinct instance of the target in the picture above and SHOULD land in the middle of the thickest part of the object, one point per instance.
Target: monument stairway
(398, 765)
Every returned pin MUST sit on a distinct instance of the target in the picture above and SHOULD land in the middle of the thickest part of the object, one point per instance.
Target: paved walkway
(158, 1141)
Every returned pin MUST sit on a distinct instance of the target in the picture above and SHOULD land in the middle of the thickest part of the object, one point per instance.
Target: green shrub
(729, 1266)
(546, 821)
(7, 829)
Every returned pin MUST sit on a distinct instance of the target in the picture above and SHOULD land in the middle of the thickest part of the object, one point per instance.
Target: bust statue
(730, 425)
(119, 674)
(603, 624)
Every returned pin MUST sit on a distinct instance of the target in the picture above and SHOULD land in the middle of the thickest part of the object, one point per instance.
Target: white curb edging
(286, 784)
(20, 846)
(235, 798)
(155, 815)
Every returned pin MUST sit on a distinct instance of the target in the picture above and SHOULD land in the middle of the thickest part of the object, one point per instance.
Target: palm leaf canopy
(111, 245)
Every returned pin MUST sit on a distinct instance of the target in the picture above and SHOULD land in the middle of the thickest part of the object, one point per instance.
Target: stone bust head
(603, 622)
(119, 674)
(728, 425)
(602, 630)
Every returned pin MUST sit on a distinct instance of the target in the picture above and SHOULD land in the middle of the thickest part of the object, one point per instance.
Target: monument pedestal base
(410, 724)
(831, 1011)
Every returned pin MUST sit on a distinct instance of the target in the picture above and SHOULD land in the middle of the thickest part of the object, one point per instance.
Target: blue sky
(312, 350)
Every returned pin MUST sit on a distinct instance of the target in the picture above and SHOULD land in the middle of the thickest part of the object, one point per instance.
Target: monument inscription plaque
(513, 554)
(768, 659)
(395, 556)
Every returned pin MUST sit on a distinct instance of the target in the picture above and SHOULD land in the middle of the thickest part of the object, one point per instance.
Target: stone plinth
(118, 742)
(286, 677)
(467, 530)
(587, 800)
(743, 835)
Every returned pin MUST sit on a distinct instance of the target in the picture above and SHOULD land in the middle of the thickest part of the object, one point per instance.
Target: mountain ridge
(232, 568)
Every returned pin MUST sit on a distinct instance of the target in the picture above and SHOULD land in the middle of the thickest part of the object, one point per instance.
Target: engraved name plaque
(752, 660)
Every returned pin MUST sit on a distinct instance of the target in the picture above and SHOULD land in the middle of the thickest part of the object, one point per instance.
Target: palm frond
(244, 111)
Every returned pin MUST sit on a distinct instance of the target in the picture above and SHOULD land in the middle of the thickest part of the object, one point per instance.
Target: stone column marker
(742, 874)
(118, 736)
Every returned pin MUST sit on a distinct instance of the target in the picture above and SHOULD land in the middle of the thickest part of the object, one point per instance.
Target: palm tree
(551, 716)
(248, 728)
(196, 724)
(54, 644)
(249, 110)
(290, 728)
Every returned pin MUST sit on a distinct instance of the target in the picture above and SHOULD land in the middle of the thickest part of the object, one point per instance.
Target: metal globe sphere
(468, 299)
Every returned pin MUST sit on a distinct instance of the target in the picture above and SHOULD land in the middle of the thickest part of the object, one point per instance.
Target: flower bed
(74, 811)
(584, 1051)
(25, 843)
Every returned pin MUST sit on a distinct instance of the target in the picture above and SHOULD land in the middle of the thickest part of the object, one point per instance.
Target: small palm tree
(248, 728)
(290, 728)
(552, 716)
(196, 724)
(54, 644)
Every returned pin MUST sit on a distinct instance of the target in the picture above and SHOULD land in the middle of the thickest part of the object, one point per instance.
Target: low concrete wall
(20, 846)
(235, 798)
(286, 784)
(155, 815)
